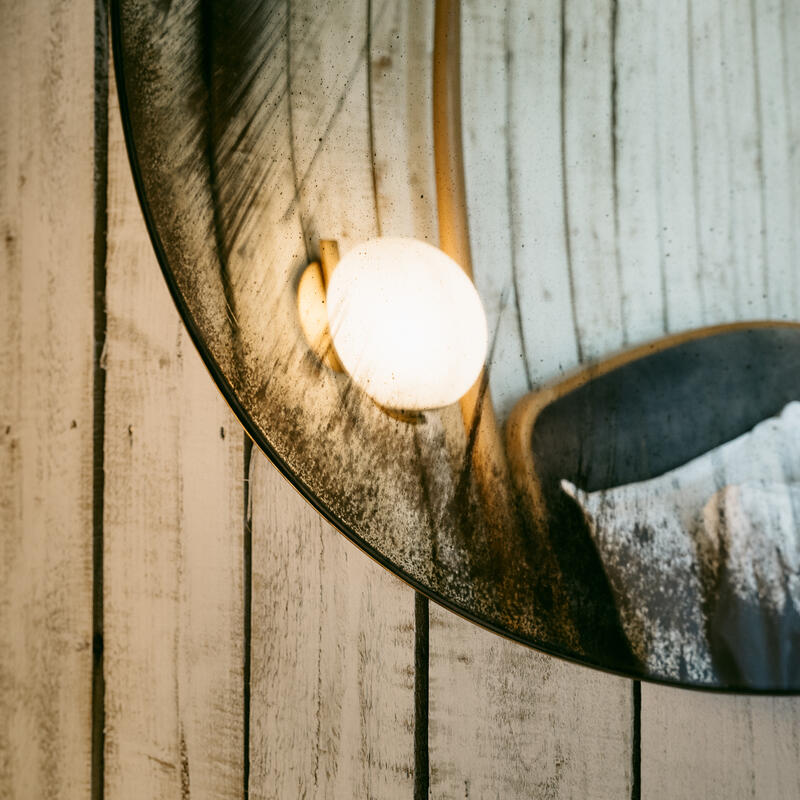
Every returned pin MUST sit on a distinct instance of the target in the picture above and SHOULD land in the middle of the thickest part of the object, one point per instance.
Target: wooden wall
(175, 622)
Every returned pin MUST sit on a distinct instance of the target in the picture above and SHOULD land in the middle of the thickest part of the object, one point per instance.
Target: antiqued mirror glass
(623, 487)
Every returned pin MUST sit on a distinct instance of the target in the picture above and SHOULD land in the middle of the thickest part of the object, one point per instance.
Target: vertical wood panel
(589, 186)
(332, 668)
(535, 158)
(509, 722)
(173, 616)
(332, 678)
(505, 721)
(774, 100)
(696, 745)
(717, 746)
(490, 183)
(636, 171)
(46, 309)
(675, 190)
(742, 129)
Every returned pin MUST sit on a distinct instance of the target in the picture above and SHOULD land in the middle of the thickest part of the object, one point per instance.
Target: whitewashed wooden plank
(695, 744)
(790, 28)
(332, 711)
(588, 177)
(508, 722)
(746, 223)
(537, 202)
(636, 172)
(505, 721)
(675, 181)
(782, 282)
(173, 527)
(401, 52)
(491, 185)
(330, 120)
(719, 746)
(332, 697)
(712, 159)
(46, 455)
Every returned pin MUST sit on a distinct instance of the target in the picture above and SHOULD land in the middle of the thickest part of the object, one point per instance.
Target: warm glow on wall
(407, 323)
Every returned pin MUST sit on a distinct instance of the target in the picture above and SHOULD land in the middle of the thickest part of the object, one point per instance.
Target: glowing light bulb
(406, 323)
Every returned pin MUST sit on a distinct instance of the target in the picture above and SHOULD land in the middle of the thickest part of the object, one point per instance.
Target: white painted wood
(636, 173)
(675, 186)
(588, 177)
(699, 745)
(46, 324)
(774, 96)
(508, 722)
(490, 179)
(505, 721)
(742, 130)
(790, 30)
(332, 712)
(719, 746)
(533, 29)
(173, 527)
(332, 681)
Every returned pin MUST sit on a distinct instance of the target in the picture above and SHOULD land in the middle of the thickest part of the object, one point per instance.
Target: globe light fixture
(407, 323)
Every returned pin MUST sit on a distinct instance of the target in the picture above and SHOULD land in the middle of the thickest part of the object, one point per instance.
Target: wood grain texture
(173, 592)
(46, 313)
(332, 707)
(505, 721)
(508, 722)
(332, 686)
(701, 745)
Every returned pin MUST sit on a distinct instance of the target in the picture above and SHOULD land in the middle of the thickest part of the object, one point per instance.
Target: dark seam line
(421, 696)
(636, 743)
(290, 125)
(565, 194)
(615, 166)
(761, 176)
(247, 602)
(100, 247)
(370, 121)
(698, 238)
(511, 196)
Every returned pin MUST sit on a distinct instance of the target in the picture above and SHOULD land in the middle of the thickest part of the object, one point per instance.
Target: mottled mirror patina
(632, 173)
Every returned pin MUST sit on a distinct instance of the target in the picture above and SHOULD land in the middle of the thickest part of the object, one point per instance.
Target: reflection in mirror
(632, 193)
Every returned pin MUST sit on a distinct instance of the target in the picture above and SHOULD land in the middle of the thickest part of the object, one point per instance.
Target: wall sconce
(405, 322)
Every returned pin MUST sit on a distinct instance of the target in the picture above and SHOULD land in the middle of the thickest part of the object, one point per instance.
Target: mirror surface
(633, 174)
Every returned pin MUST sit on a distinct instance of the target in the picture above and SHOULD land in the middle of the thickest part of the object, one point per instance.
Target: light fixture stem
(451, 192)
(488, 457)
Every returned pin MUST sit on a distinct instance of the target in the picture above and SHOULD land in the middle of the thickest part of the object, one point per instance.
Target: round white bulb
(406, 323)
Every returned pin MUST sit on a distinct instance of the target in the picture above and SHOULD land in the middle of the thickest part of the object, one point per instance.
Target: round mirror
(620, 484)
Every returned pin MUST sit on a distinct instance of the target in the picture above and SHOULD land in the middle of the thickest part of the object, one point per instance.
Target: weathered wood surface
(508, 722)
(332, 681)
(494, 706)
(332, 648)
(649, 154)
(173, 535)
(46, 321)
(713, 746)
